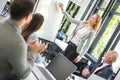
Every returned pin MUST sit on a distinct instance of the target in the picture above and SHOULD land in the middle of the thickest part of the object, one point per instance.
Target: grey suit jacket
(13, 51)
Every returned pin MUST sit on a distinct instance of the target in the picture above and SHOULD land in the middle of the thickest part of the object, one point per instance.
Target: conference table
(75, 77)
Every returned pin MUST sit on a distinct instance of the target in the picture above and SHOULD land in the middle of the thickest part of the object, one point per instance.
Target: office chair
(49, 54)
(80, 66)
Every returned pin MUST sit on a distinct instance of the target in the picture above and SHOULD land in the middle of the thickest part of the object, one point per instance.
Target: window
(116, 65)
(72, 10)
(105, 4)
(110, 13)
(106, 36)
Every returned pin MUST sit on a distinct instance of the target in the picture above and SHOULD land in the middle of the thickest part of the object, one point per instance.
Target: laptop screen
(60, 67)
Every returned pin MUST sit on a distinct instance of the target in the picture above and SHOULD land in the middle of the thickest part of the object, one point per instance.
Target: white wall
(53, 17)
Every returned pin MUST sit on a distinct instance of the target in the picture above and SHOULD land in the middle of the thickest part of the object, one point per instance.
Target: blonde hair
(98, 22)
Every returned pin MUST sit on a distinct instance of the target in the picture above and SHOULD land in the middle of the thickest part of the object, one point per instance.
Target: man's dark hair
(21, 8)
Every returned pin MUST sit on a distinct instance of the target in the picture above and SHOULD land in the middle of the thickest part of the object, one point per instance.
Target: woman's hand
(61, 6)
(36, 46)
(43, 46)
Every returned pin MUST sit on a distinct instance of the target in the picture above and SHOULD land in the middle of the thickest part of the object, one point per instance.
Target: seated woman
(29, 32)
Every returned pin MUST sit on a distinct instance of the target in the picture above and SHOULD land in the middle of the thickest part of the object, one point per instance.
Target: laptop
(95, 77)
(39, 73)
(60, 67)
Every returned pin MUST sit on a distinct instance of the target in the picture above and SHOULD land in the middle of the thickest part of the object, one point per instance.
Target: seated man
(103, 69)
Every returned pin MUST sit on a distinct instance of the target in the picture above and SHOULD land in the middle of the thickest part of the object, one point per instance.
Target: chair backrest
(48, 53)
(91, 58)
(60, 67)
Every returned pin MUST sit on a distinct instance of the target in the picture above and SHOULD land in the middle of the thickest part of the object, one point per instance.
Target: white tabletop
(61, 44)
(39, 73)
(75, 77)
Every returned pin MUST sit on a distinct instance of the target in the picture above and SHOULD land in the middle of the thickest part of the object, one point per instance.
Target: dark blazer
(106, 72)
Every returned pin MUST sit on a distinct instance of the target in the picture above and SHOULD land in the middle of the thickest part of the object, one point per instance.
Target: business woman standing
(85, 30)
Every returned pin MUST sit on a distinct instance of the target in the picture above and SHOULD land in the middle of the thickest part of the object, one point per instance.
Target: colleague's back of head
(34, 25)
(36, 22)
(21, 8)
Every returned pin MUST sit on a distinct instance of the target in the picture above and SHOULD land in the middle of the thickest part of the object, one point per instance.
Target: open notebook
(60, 67)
